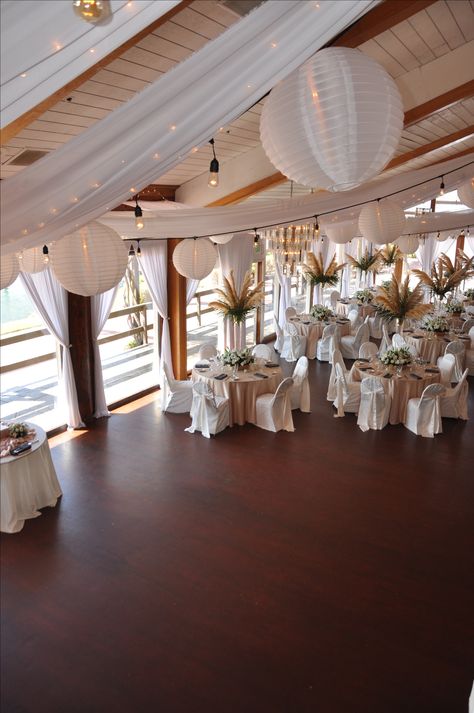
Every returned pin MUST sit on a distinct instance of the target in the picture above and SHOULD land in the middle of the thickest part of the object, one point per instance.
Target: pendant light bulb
(139, 222)
(213, 169)
(91, 10)
(131, 251)
(46, 254)
(139, 252)
(441, 188)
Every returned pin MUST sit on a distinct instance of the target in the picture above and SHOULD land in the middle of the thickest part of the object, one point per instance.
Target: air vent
(27, 157)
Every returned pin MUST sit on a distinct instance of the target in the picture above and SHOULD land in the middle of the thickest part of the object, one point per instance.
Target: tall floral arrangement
(317, 275)
(390, 254)
(397, 301)
(446, 276)
(237, 304)
(368, 262)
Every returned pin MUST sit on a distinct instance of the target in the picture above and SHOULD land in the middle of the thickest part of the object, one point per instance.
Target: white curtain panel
(349, 249)
(470, 243)
(191, 288)
(153, 263)
(285, 294)
(236, 255)
(145, 137)
(101, 306)
(428, 252)
(51, 301)
(60, 45)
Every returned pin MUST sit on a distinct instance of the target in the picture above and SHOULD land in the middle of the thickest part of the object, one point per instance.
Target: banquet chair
(207, 351)
(337, 359)
(347, 393)
(423, 416)
(467, 326)
(456, 348)
(210, 413)
(290, 312)
(296, 344)
(375, 403)
(280, 337)
(355, 319)
(446, 366)
(262, 351)
(333, 299)
(177, 395)
(273, 411)
(350, 344)
(386, 342)
(398, 341)
(327, 343)
(470, 354)
(453, 402)
(367, 350)
(299, 392)
(375, 326)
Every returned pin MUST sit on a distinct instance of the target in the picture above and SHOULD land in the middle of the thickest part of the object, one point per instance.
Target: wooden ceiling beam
(249, 190)
(432, 146)
(439, 103)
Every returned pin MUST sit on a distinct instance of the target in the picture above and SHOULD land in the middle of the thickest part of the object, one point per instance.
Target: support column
(398, 270)
(82, 352)
(177, 314)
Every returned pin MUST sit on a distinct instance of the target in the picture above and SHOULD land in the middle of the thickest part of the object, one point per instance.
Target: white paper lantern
(407, 244)
(221, 239)
(333, 123)
(466, 193)
(33, 260)
(90, 261)
(381, 222)
(195, 258)
(9, 269)
(341, 232)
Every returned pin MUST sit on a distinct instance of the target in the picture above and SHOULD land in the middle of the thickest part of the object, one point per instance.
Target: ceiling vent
(27, 157)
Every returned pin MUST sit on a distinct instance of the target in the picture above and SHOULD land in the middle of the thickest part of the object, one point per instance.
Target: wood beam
(177, 314)
(443, 101)
(380, 19)
(249, 190)
(12, 129)
(432, 146)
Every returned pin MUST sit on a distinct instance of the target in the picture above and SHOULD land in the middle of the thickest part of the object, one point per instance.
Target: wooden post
(82, 352)
(177, 314)
(398, 270)
(459, 245)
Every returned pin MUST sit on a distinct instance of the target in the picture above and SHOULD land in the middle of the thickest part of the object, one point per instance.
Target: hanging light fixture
(290, 244)
(139, 252)
(441, 187)
(131, 251)
(213, 168)
(139, 222)
(91, 10)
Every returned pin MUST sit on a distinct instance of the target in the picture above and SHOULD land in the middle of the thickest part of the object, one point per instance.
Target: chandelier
(289, 244)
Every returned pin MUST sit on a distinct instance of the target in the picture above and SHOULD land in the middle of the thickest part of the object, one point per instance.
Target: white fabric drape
(135, 144)
(153, 263)
(101, 306)
(428, 252)
(51, 301)
(191, 287)
(236, 255)
(285, 294)
(350, 248)
(60, 45)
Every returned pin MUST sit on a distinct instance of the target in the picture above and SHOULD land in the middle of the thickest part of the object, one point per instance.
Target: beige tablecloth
(27, 483)
(430, 346)
(313, 332)
(366, 310)
(400, 388)
(242, 393)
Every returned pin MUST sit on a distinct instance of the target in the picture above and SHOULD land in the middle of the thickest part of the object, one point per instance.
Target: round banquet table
(242, 392)
(313, 331)
(28, 482)
(429, 346)
(400, 388)
(343, 307)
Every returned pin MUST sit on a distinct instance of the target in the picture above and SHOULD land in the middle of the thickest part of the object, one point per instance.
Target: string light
(441, 188)
(139, 222)
(139, 252)
(131, 251)
(213, 168)
(46, 254)
(91, 10)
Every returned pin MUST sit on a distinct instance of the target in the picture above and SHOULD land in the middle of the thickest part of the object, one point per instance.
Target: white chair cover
(398, 341)
(470, 354)
(207, 351)
(262, 351)
(177, 395)
(456, 348)
(273, 411)
(336, 359)
(367, 350)
(210, 413)
(289, 313)
(468, 325)
(295, 346)
(446, 366)
(299, 393)
(423, 415)
(280, 337)
(328, 342)
(355, 319)
(375, 402)
(333, 299)
(350, 344)
(347, 394)
(453, 402)
(386, 342)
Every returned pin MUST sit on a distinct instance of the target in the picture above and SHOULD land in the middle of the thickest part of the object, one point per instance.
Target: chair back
(282, 390)
(372, 385)
(432, 391)
(471, 334)
(454, 348)
(467, 326)
(334, 297)
(300, 372)
(289, 313)
(362, 335)
(353, 316)
(207, 351)
(398, 341)
(367, 350)
(458, 388)
(291, 329)
(329, 331)
(446, 365)
(341, 377)
(262, 351)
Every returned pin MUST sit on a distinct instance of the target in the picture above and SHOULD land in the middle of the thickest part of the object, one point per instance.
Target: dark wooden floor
(324, 571)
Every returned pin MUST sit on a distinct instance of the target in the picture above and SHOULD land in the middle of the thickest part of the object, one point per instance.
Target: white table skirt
(27, 483)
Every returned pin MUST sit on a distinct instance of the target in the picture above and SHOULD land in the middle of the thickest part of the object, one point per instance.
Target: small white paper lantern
(195, 258)
(333, 123)
(381, 222)
(221, 239)
(341, 233)
(9, 269)
(466, 193)
(33, 260)
(90, 261)
(407, 244)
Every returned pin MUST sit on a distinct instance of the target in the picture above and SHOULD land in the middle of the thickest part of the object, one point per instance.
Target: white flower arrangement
(18, 430)
(397, 357)
(436, 323)
(469, 293)
(454, 307)
(237, 357)
(321, 313)
(364, 296)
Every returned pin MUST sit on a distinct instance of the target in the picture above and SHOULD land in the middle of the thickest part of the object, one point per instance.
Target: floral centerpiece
(237, 357)
(368, 262)
(315, 272)
(436, 323)
(364, 296)
(397, 301)
(235, 304)
(454, 307)
(321, 313)
(18, 430)
(397, 357)
(469, 293)
(446, 276)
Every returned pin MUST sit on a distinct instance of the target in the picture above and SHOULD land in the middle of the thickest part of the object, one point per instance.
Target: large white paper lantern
(9, 269)
(381, 222)
(333, 123)
(341, 232)
(33, 260)
(195, 258)
(408, 244)
(90, 261)
(466, 193)
(222, 239)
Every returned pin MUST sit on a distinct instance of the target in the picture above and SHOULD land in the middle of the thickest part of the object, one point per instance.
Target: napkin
(387, 376)
(363, 359)
(271, 365)
(415, 376)
(262, 376)
(220, 377)
(202, 366)
(432, 371)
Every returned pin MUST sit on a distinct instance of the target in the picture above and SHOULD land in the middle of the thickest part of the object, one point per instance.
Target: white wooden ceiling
(437, 30)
